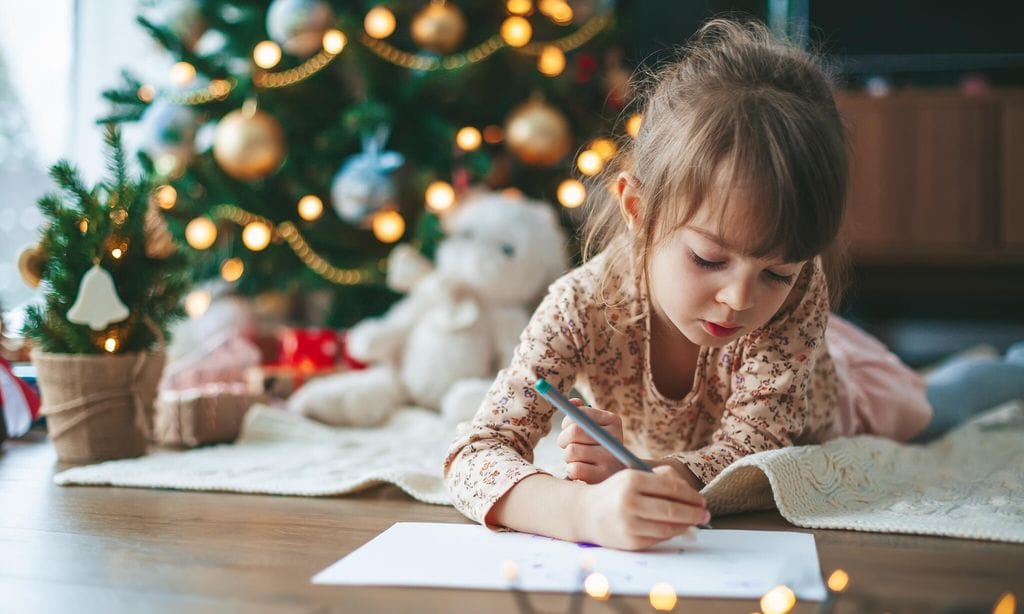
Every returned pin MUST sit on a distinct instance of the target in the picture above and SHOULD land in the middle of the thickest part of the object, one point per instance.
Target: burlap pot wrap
(98, 407)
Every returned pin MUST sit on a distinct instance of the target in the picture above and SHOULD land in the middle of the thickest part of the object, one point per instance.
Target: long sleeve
(495, 451)
(782, 388)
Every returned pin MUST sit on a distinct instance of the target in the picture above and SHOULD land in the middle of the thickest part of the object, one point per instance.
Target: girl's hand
(585, 459)
(633, 509)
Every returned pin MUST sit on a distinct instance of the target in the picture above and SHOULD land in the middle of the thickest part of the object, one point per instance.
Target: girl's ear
(628, 190)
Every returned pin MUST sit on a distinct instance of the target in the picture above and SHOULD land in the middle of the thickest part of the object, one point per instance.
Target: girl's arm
(489, 470)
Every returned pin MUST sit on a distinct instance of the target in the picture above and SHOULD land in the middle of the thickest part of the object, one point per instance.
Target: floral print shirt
(773, 387)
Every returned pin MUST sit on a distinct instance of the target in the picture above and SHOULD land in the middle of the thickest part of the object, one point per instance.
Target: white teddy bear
(441, 346)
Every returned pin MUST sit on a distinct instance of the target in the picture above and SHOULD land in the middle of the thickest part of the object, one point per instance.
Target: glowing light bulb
(605, 148)
(110, 344)
(232, 269)
(310, 207)
(146, 93)
(201, 233)
(219, 88)
(597, 586)
(440, 196)
(663, 597)
(182, 73)
(508, 570)
(589, 162)
(558, 11)
(388, 226)
(256, 236)
(84, 226)
(779, 600)
(838, 581)
(196, 303)
(571, 193)
(468, 138)
(379, 22)
(519, 7)
(116, 253)
(551, 61)
(633, 124)
(516, 31)
(266, 54)
(1007, 604)
(166, 196)
(334, 41)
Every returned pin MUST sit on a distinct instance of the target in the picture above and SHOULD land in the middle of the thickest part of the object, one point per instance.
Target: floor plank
(78, 549)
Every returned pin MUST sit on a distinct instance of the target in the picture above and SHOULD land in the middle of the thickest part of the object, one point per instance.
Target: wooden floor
(84, 549)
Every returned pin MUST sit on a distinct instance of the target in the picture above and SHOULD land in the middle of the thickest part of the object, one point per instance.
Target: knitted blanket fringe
(966, 484)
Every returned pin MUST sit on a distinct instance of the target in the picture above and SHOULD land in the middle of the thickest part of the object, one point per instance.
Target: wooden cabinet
(1013, 175)
(937, 177)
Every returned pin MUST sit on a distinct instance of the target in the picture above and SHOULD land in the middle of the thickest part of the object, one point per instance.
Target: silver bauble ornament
(299, 25)
(169, 133)
(183, 18)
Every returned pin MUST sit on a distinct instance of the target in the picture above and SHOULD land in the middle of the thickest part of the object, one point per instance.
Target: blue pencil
(595, 430)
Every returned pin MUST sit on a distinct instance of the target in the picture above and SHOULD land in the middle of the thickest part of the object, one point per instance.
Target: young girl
(701, 332)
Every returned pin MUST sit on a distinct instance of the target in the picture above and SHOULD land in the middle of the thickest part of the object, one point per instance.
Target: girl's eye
(775, 278)
(706, 264)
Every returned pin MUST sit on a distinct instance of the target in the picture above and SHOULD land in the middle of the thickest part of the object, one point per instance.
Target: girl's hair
(739, 108)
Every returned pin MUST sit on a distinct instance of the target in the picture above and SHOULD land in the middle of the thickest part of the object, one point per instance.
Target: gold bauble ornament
(31, 261)
(159, 242)
(538, 133)
(248, 146)
(440, 27)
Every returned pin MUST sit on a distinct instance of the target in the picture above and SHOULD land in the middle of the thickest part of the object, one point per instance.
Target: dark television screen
(900, 27)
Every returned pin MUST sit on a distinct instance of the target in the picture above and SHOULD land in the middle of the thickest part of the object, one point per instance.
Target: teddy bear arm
(381, 338)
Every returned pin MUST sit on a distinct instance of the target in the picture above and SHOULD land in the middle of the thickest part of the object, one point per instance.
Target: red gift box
(310, 349)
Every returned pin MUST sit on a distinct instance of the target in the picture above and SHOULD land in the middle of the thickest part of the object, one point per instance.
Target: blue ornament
(365, 184)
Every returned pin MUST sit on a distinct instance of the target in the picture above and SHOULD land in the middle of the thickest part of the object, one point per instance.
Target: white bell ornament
(97, 303)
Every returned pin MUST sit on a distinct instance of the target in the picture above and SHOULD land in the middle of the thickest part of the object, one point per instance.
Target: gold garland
(575, 40)
(298, 244)
(220, 89)
(414, 61)
(272, 80)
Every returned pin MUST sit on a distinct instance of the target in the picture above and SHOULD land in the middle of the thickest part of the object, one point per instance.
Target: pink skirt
(878, 394)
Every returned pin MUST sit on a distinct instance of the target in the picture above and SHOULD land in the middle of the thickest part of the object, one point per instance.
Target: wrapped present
(209, 413)
(310, 349)
(219, 360)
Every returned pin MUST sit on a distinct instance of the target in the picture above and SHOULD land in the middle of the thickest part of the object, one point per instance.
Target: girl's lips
(718, 330)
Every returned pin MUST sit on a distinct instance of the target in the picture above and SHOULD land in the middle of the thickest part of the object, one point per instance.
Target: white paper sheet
(716, 563)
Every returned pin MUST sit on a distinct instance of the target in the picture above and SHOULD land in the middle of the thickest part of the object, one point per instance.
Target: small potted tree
(113, 281)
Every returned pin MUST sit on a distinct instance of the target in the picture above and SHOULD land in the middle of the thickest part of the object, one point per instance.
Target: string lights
(389, 225)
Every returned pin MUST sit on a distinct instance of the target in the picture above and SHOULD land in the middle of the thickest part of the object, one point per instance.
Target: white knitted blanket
(967, 484)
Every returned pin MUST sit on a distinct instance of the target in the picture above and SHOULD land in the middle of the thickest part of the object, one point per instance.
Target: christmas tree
(112, 276)
(304, 137)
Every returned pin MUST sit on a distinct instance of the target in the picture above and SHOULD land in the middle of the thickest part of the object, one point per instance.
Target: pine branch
(68, 179)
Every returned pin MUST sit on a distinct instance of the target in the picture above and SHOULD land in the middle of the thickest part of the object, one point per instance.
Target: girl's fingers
(659, 530)
(665, 483)
(593, 454)
(585, 472)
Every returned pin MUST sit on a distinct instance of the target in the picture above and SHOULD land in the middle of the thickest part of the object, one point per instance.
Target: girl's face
(708, 290)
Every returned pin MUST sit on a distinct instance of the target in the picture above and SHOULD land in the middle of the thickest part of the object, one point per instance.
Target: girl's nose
(737, 296)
